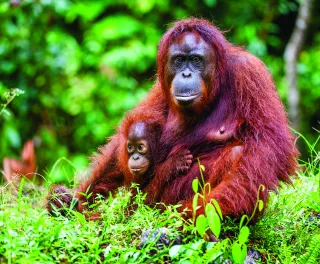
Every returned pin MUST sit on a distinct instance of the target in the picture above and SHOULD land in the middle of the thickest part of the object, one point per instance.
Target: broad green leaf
(195, 185)
(210, 208)
(217, 207)
(236, 253)
(243, 253)
(195, 203)
(201, 224)
(244, 235)
(213, 219)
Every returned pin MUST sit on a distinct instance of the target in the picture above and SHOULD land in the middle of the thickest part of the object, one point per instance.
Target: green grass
(289, 231)
(289, 223)
(29, 235)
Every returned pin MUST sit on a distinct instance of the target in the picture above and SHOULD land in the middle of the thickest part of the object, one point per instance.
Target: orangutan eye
(142, 148)
(196, 59)
(130, 148)
(179, 59)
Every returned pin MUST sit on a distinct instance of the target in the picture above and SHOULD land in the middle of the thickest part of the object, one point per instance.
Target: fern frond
(312, 255)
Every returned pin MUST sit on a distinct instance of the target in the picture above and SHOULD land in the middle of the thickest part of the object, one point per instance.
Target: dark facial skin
(189, 63)
(138, 149)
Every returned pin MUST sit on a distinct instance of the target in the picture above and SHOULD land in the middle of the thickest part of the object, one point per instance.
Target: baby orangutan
(140, 159)
(136, 160)
(138, 149)
(142, 167)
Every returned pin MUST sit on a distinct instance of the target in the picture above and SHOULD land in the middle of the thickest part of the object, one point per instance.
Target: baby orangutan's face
(138, 149)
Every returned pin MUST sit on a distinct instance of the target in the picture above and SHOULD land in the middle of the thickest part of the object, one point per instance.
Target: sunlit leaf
(243, 253)
(201, 224)
(217, 207)
(195, 185)
(213, 219)
(236, 252)
(244, 235)
(260, 205)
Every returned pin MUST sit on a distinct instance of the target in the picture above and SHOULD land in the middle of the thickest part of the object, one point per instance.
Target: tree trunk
(291, 56)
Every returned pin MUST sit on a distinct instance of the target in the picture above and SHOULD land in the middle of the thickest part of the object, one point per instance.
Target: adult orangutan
(220, 103)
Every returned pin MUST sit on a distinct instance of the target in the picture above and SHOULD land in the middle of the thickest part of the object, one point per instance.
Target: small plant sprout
(259, 205)
(87, 195)
(239, 248)
(9, 96)
(213, 215)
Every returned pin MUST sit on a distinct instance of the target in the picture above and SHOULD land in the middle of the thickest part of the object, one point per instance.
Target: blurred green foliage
(82, 64)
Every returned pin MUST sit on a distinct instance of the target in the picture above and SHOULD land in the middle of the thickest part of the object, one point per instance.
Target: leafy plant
(212, 219)
(239, 248)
